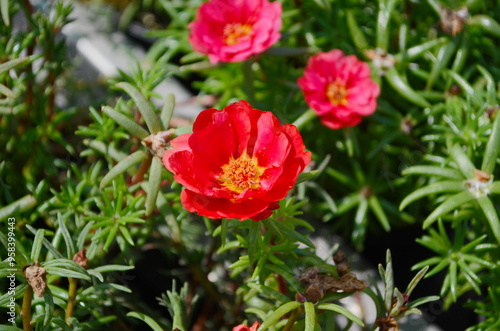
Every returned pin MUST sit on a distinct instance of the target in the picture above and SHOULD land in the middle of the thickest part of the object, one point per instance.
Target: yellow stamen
(241, 174)
(233, 32)
(337, 93)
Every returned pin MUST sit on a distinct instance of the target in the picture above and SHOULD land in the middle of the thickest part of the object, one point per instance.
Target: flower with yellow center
(337, 93)
(234, 32)
(241, 173)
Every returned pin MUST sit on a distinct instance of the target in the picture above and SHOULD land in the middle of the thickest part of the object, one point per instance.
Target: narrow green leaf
(399, 303)
(143, 105)
(357, 35)
(82, 236)
(70, 246)
(495, 187)
(435, 188)
(324, 194)
(269, 292)
(491, 151)
(440, 266)
(292, 234)
(111, 236)
(37, 245)
(271, 225)
(443, 57)
(386, 8)
(114, 267)
(310, 316)
(306, 176)
(64, 263)
(224, 229)
(360, 223)
(46, 243)
(4, 8)
(177, 310)
(66, 273)
(471, 277)
(462, 82)
(485, 22)
(6, 91)
(105, 149)
(96, 274)
(49, 306)
(18, 206)
(6, 66)
(379, 212)
(418, 50)
(146, 319)
(427, 262)
(305, 118)
(490, 85)
(8, 327)
(453, 279)
(132, 127)
(154, 185)
(126, 235)
(448, 205)
(475, 259)
(167, 111)
(491, 215)
(381, 271)
(433, 171)
(123, 166)
(341, 177)
(401, 87)
(279, 313)
(342, 311)
(413, 283)
(389, 282)
(424, 300)
(435, 5)
(254, 238)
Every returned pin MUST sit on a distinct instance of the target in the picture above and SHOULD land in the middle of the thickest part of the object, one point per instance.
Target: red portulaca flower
(237, 163)
(243, 327)
(234, 30)
(339, 88)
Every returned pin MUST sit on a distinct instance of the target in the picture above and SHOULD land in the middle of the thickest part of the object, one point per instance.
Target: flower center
(337, 93)
(241, 174)
(233, 32)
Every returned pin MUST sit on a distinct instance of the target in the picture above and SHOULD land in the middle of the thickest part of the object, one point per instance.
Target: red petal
(225, 208)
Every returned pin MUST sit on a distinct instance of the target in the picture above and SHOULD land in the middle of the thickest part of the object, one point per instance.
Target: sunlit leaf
(278, 313)
(143, 106)
(342, 311)
(451, 203)
(146, 319)
(435, 188)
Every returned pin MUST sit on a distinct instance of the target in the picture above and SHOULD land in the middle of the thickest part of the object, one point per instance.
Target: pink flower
(243, 327)
(234, 30)
(339, 88)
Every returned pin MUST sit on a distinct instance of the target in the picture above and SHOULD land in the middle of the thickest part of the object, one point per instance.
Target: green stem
(70, 307)
(26, 309)
(306, 117)
(293, 318)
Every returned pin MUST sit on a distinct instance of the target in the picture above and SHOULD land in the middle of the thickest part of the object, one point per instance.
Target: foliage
(91, 198)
